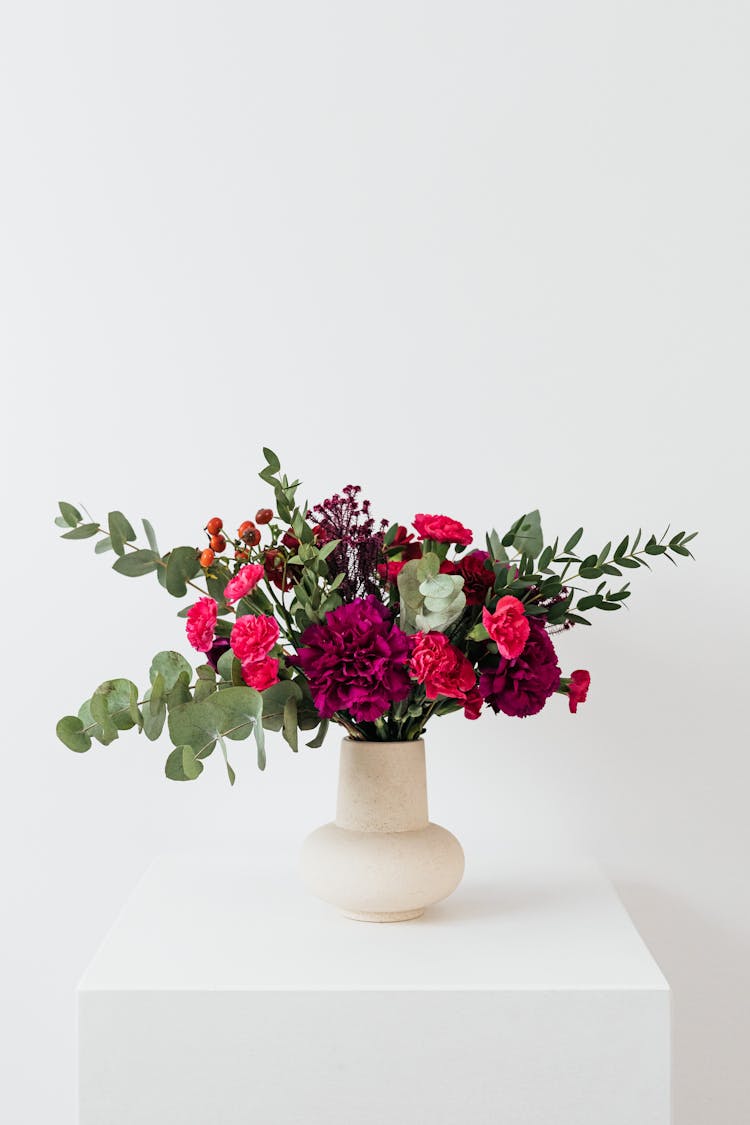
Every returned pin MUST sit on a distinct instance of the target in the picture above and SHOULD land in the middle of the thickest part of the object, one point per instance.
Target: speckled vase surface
(382, 860)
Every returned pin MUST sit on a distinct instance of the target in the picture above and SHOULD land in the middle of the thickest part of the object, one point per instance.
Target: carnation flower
(260, 674)
(441, 667)
(245, 580)
(478, 577)
(522, 686)
(473, 704)
(508, 626)
(253, 637)
(578, 688)
(442, 529)
(356, 661)
(201, 622)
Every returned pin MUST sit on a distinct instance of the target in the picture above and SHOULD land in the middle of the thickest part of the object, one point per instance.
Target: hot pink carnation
(578, 688)
(442, 529)
(261, 674)
(441, 667)
(508, 626)
(201, 622)
(243, 582)
(253, 638)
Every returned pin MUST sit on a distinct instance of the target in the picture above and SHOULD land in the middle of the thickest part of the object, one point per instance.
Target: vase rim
(347, 741)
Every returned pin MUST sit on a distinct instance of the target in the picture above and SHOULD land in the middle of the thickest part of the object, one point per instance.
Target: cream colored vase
(382, 860)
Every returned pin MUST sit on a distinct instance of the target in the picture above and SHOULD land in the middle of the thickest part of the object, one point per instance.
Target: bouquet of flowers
(321, 614)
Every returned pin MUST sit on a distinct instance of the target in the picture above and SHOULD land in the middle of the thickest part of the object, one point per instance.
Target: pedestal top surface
(197, 922)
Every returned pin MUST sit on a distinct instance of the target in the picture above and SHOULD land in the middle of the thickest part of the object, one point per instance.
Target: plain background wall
(476, 257)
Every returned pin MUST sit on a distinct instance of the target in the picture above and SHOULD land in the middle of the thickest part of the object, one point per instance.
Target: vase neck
(382, 786)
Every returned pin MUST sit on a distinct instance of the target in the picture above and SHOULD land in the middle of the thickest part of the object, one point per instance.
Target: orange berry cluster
(247, 532)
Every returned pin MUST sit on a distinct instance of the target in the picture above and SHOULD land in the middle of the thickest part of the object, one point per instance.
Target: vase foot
(383, 915)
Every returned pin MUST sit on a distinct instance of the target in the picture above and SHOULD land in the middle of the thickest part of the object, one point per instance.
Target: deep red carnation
(473, 704)
(355, 662)
(578, 688)
(477, 575)
(442, 529)
(522, 686)
(441, 667)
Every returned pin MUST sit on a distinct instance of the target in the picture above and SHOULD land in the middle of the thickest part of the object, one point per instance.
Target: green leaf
(100, 713)
(225, 664)
(290, 723)
(573, 541)
(150, 536)
(83, 531)
(528, 537)
(326, 549)
(135, 564)
(170, 665)
(233, 712)
(182, 565)
(156, 695)
(93, 727)
(320, 736)
(275, 699)
(182, 765)
(103, 545)
(273, 463)
(478, 633)
(495, 548)
(153, 720)
(70, 514)
(121, 698)
(230, 772)
(120, 532)
(70, 732)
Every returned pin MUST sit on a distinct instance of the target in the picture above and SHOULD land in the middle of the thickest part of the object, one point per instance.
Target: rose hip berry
(218, 543)
(241, 556)
(214, 526)
(263, 515)
(252, 538)
(245, 528)
(206, 558)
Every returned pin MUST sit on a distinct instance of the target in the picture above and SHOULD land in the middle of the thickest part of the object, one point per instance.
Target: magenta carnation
(356, 661)
(201, 622)
(522, 686)
(245, 580)
(253, 638)
(261, 674)
(442, 529)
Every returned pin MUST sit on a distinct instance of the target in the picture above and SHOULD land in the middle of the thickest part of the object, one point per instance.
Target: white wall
(476, 257)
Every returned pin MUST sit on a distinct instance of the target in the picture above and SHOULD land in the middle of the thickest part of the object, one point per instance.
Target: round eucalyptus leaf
(169, 665)
(70, 732)
(182, 765)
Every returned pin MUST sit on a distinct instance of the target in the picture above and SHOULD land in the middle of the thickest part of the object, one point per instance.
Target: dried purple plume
(348, 518)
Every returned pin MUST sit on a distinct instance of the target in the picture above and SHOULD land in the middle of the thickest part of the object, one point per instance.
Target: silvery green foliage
(444, 602)
(429, 600)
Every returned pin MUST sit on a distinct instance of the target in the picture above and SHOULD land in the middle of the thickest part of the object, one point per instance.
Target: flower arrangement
(325, 615)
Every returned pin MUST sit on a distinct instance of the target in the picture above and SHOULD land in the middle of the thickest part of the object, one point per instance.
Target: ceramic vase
(382, 860)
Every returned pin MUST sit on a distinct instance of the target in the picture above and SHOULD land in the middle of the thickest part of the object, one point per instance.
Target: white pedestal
(224, 995)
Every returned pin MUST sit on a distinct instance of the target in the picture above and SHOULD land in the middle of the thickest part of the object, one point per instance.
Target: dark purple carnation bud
(217, 649)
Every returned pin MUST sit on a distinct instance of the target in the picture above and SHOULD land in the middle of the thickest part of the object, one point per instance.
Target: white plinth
(224, 995)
